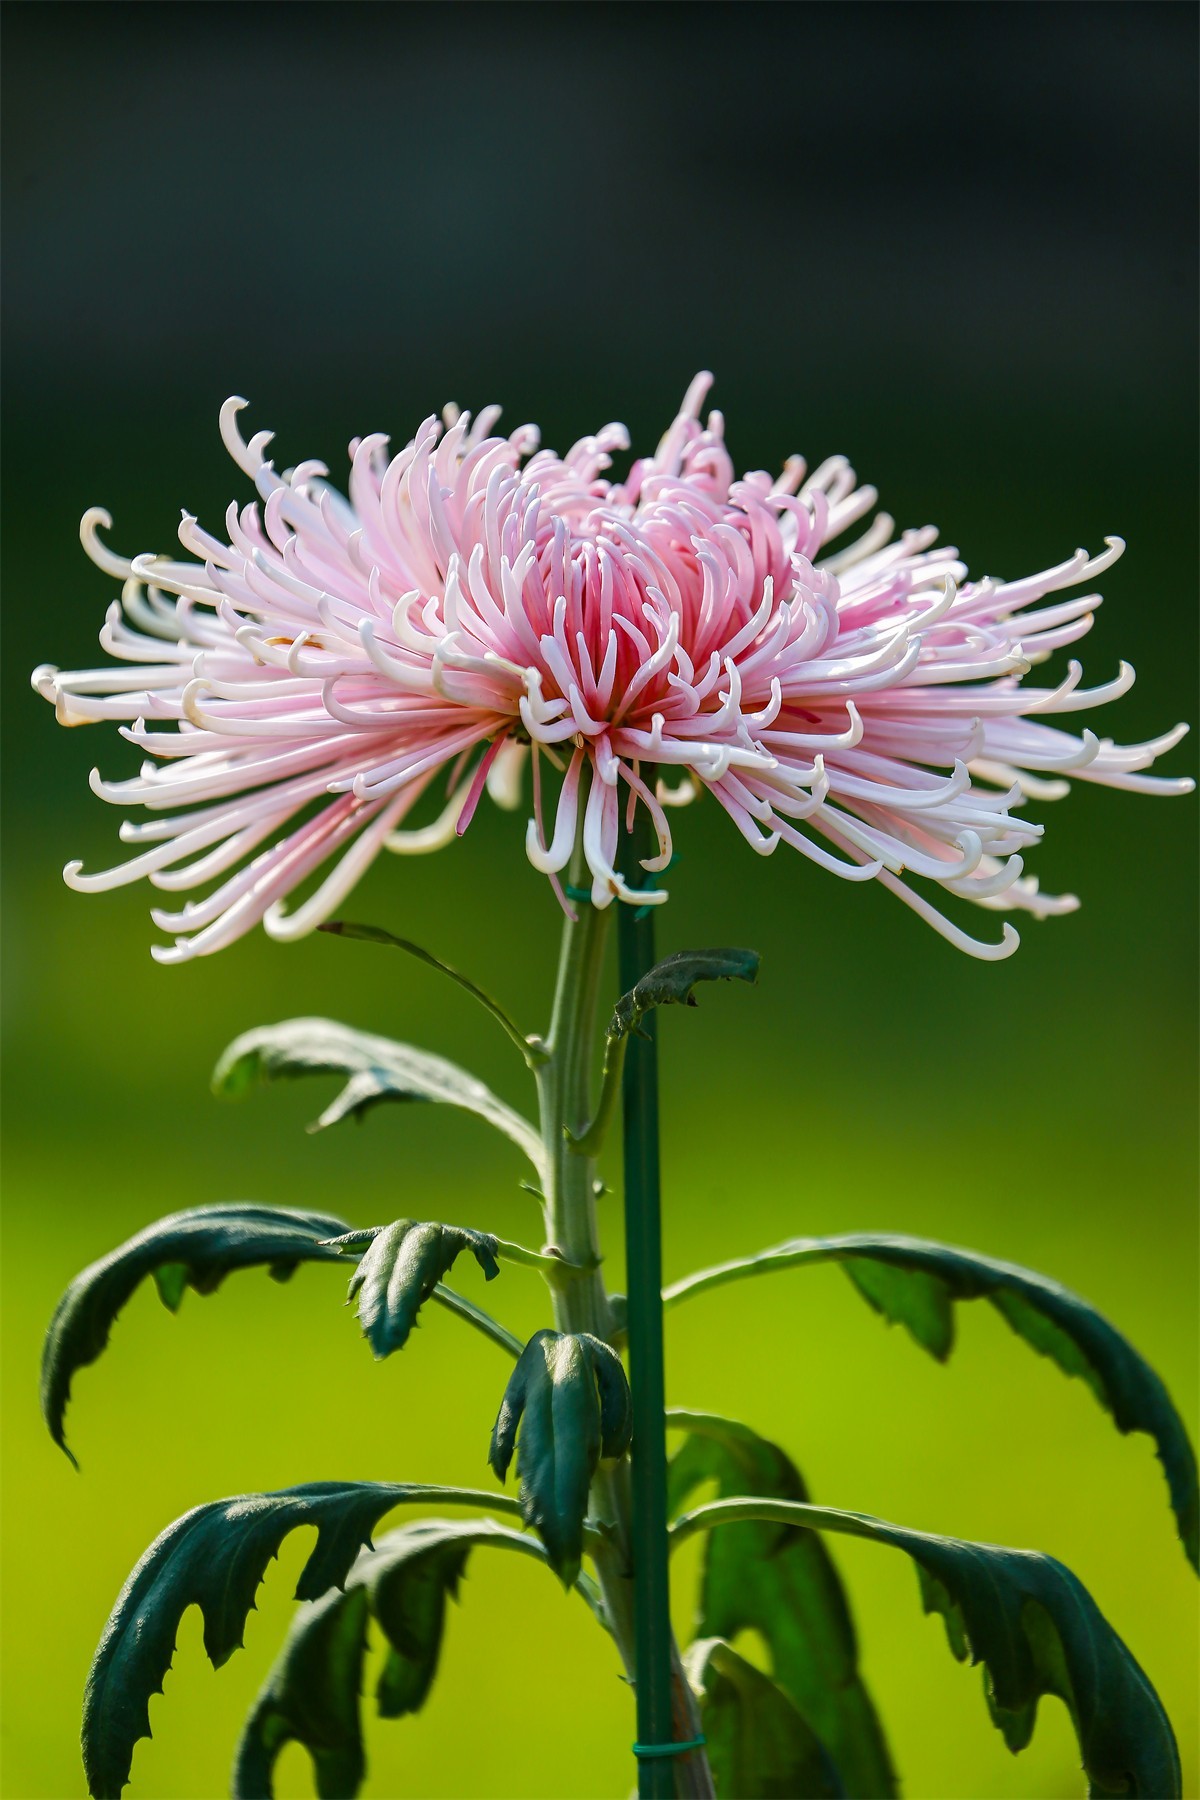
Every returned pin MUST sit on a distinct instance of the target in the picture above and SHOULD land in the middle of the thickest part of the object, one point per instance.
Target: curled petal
(420, 840)
(552, 857)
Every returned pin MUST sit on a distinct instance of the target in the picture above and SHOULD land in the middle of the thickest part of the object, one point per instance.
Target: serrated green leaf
(782, 1583)
(400, 1268)
(409, 1597)
(312, 1694)
(758, 1746)
(374, 934)
(409, 1578)
(379, 1069)
(311, 1697)
(1031, 1623)
(914, 1282)
(196, 1249)
(563, 1399)
(214, 1557)
(670, 983)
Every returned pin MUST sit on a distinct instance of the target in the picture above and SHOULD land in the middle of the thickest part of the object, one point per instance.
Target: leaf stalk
(475, 1315)
(531, 1048)
(554, 1265)
(591, 1142)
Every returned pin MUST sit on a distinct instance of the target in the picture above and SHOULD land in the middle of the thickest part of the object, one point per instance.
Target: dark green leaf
(758, 1746)
(379, 1069)
(616, 1405)
(408, 1597)
(1036, 1629)
(374, 934)
(565, 1396)
(311, 1697)
(196, 1249)
(671, 981)
(915, 1283)
(409, 1579)
(783, 1584)
(400, 1268)
(312, 1694)
(214, 1557)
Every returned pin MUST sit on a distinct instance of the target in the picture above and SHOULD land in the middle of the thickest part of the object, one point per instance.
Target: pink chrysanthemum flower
(476, 600)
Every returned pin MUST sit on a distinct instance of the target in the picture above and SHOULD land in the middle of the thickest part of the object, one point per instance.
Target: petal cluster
(475, 603)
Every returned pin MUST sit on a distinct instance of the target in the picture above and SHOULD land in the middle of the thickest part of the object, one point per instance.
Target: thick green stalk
(564, 1092)
(581, 1303)
(643, 1256)
(580, 1300)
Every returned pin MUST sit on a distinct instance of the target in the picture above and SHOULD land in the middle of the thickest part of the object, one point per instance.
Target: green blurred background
(952, 241)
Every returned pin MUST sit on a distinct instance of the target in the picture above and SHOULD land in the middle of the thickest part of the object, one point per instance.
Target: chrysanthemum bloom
(475, 600)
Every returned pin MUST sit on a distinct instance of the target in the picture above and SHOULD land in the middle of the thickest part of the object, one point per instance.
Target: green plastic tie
(641, 1751)
(584, 895)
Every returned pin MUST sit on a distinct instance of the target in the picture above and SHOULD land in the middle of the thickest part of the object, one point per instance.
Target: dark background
(956, 242)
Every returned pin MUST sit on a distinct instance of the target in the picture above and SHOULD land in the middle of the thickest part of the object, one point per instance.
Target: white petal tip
(645, 896)
(694, 399)
(171, 954)
(283, 927)
(272, 924)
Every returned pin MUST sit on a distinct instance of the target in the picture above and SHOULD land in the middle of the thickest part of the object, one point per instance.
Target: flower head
(477, 602)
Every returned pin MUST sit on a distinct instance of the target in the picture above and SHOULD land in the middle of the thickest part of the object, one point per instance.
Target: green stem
(643, 1255)
(565, 1080)
(564, 1084)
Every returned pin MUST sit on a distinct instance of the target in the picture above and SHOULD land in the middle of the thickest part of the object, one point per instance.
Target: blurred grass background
(950, 241)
